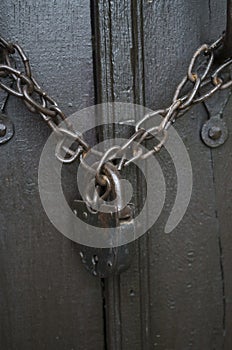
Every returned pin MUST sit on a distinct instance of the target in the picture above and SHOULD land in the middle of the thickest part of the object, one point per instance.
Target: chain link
(37, 101)
(203, 81)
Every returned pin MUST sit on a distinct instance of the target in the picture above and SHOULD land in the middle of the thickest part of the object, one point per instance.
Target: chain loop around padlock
(105, 190)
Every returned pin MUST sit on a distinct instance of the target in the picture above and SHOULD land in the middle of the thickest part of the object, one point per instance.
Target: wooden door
(177, 292)
(48, 301)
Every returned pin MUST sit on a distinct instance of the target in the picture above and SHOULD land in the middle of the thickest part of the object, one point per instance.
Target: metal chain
(38, 101)
(203, 82)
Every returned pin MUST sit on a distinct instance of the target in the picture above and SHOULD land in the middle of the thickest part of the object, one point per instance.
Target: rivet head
(215, 132)
(2, 130)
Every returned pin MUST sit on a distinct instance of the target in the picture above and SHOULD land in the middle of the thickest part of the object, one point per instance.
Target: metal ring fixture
(214, 132)
(6, 129)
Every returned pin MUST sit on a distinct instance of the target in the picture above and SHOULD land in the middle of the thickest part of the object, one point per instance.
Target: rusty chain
(202, 79)
(37, 101)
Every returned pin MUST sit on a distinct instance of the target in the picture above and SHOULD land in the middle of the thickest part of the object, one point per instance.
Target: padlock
(105, 262)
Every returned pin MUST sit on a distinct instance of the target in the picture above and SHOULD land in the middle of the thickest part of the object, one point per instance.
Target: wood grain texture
(181, 306)
(116, 73)
(172, 297)
(48, 301)
(177, 293)
(222, 162)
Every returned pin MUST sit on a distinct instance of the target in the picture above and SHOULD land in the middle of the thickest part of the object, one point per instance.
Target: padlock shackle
(114, 177)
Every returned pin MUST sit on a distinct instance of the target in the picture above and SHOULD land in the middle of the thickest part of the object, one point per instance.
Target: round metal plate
(214, 132)
(4, 120)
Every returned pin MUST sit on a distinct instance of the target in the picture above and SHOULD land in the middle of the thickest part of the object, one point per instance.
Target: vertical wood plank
(185, 275)
(172, 296)
(48, 301)
(118, 72)
(222, 162)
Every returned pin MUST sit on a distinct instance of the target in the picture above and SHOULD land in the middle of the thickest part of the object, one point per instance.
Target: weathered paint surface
(177, 293)
(48, 301)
